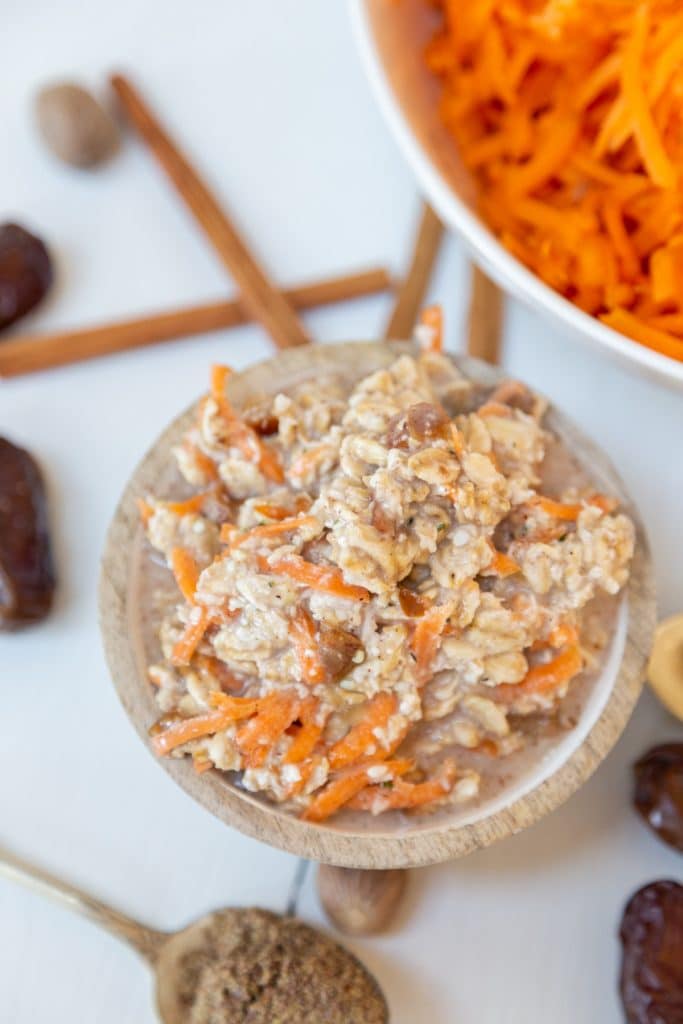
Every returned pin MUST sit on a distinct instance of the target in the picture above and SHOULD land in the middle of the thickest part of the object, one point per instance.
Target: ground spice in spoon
(258, 968)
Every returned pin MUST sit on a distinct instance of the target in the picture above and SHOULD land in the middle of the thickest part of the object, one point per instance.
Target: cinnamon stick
(40, 352)
(259, 295)
(484, 321)
(411, 292)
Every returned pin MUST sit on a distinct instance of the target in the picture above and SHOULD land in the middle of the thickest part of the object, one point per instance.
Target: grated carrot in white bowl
(569, 114)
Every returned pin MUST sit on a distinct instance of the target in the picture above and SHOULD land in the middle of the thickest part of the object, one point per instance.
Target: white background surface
(269, 98)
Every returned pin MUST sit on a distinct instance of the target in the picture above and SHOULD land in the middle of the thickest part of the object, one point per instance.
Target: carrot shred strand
(361, 741)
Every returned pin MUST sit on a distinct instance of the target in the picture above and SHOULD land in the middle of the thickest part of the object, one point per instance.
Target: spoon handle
(147, 941)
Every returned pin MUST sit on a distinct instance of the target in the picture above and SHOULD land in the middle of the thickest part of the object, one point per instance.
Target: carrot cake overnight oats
(381, 588)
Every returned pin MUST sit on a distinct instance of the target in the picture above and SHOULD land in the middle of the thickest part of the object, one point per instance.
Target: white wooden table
(270, 99)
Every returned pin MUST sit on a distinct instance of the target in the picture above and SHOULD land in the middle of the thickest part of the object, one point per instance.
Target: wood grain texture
(380, 847)
(29, 354)
(485, 317)
(410, 294)
(260, 296)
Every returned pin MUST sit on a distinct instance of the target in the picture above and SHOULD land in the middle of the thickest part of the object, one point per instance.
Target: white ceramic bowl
(391, 36)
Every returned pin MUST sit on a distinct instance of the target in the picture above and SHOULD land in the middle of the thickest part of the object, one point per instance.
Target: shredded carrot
(278, 512)
(666, 268)
(269, 530)
(192, 636)
(555, 509)
(319, 577)
(361, 741)
(645, 131)
(501, 564)
(545, 678)
(604, 502)
(302, 633)
(306, 462)
(427, 638)
(201, 765)
(244, 436)
(668, 322)
(570, 511)
(569, 115)
(203, 461)
(211, 722)
(432, 319)
(219, 379)
(402, 795)
(186, 572)
(268, 462)
(145, 509)
(187, 507)
(651, 337)
(306, 769)
(227, 532)
(276, 713)
(308, 733)
(564, 635)
(239, 707)
(346, 785)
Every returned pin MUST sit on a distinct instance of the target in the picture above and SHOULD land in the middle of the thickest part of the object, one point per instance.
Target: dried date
(26, 573)
(338, 650)
(25, 272)
(658, 792)
(652, 962)
(420, 423)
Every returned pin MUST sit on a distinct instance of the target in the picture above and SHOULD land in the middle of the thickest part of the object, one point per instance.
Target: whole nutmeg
(360, 902)
(74, 126)
(658, 792)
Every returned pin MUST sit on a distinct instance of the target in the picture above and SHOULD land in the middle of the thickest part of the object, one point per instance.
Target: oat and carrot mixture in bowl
(386, 590)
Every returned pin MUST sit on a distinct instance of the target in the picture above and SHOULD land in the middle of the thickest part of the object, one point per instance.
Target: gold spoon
(347, 991)
(665, 671)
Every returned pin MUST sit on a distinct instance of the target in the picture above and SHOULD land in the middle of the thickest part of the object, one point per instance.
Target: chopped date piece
(337, 651)
(26, 574)
(262, 421)
(25, 272)
(516, 395)
(420, 422)
(652, 962)
(468, 400)
(658, 794)
(381, 520)
(412, 604)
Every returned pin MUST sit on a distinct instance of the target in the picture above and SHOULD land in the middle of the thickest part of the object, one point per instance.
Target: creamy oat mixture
(373, 586)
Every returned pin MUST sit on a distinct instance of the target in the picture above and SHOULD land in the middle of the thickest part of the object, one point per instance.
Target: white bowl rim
(504, 268)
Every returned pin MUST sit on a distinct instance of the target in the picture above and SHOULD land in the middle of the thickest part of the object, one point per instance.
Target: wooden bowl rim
(270, 824)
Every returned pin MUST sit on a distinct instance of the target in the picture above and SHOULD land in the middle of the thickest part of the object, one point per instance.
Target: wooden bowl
(391, 38)
(129, 635)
